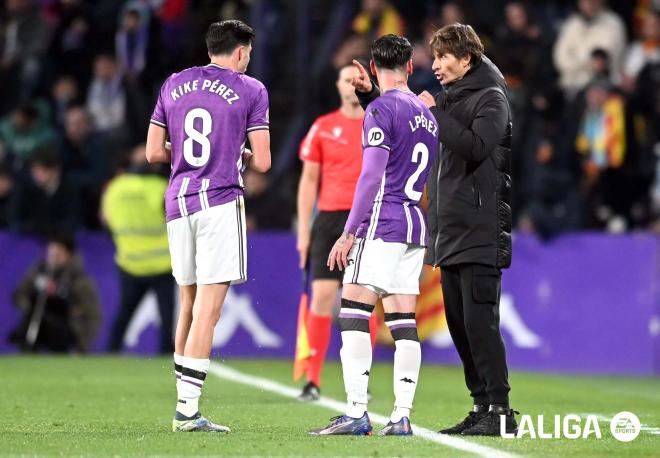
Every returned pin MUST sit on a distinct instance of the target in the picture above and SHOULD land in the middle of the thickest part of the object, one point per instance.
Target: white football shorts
(385, 267)
(209, 246)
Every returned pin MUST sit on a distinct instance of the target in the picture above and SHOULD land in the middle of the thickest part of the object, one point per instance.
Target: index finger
(359, 66)
(331, 260)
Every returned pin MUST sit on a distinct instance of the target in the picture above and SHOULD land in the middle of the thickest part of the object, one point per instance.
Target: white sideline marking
(647, 428)
(224, 372)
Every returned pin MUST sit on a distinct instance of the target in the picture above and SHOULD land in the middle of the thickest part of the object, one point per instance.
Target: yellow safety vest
(134, 211)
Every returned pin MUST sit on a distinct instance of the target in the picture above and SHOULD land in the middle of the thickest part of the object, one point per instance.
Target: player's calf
(189, 388)
(407, 361)
(355, 354)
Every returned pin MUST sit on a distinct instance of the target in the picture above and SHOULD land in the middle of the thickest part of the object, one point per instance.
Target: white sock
(178, 362)
(190, 386)
(407, 360)
(356, 364)
(398, 413)
(355, 409)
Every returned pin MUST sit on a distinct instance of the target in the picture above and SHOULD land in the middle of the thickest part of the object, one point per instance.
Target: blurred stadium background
(78, 81)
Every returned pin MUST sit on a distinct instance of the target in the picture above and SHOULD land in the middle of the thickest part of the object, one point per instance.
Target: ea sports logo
(375, 136)
(625, 426)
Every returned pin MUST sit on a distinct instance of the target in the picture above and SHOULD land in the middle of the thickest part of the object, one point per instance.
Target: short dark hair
(600, 53)
(63, 238)
(458, 39)
(225, 36)
(47, 158)
(28, 110)
(391, 52)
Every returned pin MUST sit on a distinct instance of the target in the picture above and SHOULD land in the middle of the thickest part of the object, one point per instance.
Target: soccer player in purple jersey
(382, 248)
(208, 113)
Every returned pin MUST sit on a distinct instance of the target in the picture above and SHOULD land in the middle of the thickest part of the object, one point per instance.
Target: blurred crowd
(78, 80)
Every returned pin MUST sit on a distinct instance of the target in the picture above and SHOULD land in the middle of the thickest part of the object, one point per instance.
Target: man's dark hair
(458, 39)
(47, 158)
(391, 51)
(134, 12)
(63, 238)
(600, 53)
(225, 36)
(28, 110)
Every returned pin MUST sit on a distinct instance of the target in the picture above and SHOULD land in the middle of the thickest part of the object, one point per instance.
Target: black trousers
(472, 303)
(55, 333)
(133, 289)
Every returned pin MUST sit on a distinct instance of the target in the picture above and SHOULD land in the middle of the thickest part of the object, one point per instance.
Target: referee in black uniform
(469, 213)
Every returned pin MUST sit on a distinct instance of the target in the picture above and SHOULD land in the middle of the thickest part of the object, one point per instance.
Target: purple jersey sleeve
(158, 117)
(258, 115)
(374, 162)
(377, 127)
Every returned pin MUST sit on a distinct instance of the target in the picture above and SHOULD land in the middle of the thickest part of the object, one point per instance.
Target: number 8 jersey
(208, 112)
(400, 124)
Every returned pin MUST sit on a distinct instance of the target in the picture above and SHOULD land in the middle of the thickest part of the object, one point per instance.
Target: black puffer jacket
(469, 186)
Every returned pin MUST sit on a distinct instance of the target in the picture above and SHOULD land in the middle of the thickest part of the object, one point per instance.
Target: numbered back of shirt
(401, 124)
(208, 112)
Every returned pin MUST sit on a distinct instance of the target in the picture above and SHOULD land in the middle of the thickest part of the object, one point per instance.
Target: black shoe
(489, 425)
(310, 392)
(472, 419)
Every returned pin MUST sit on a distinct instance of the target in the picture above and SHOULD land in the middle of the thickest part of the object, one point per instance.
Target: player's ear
(409, 67)
(372, 67)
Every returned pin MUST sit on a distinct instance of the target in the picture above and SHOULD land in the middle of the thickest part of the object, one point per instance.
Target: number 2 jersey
(208, 112)
(400, 124)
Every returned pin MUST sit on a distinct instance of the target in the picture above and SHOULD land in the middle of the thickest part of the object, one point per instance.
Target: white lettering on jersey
(426, 123)
(221, 90)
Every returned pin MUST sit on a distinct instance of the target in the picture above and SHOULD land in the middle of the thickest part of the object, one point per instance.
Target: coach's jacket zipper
(475, 191)
(437, 232)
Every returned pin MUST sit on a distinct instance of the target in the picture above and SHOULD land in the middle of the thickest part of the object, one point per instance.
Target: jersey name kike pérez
(214, 87)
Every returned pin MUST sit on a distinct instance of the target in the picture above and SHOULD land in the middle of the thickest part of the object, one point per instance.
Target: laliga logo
(625, 427)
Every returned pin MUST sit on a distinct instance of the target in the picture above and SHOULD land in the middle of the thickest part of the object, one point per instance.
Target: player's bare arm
(374, 162)
(156, 151)
(307, 192)
(260, 147)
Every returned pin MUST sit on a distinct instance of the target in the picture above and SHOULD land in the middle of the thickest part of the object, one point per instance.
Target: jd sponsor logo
(375, 136)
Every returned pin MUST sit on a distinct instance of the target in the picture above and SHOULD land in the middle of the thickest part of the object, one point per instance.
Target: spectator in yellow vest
(133, 210)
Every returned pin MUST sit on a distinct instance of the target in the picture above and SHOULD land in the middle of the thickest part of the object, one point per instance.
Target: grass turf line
(102, 406)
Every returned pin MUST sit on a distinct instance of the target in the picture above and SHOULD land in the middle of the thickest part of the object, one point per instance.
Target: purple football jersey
(208, 112)
(400, 123)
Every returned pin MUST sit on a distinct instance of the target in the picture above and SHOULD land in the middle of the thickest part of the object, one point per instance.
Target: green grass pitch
(123, 406)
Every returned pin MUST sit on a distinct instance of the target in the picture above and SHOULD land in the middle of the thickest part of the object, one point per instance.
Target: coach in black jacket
(469, 214)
